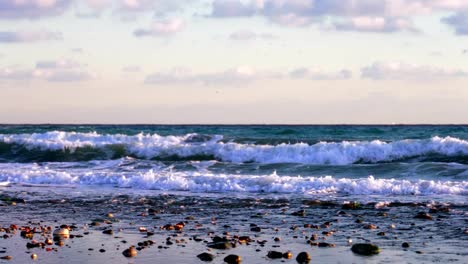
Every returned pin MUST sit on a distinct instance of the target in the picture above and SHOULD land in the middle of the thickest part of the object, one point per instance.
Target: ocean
(295, 189)
(384, 160)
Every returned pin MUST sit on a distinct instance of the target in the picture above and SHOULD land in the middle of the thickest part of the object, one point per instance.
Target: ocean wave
(204, 181)
(69, 146)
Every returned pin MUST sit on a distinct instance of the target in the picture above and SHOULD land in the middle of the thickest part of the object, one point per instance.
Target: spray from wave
(73, 146)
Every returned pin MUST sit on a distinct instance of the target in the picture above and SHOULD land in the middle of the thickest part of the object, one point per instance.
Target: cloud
(317, 74)
(250, 35)
(383, 16)
(32, 9)
(233, 8)
(57, 64)
(185, 76)
(405, 71)
(28, 36)
(240, 75)
(459, 22)
(375, 24)
(52, 71)
(162, 28)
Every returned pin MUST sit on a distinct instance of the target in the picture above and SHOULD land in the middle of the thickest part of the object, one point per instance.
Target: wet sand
(175, 228)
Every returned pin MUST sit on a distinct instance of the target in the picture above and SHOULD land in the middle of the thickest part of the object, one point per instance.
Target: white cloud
(317, 74)
(241, 75)
(160, 28)
(15, 9)
(405, 71)
(459, 22)
(357, 15)
(28, 36)
(183, 75)
(52, 71)
(250, 35)
(376, 24)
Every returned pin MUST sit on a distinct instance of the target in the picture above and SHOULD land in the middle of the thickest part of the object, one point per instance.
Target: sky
(234, 61)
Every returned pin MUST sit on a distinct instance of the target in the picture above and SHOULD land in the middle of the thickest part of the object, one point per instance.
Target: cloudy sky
(234, 61)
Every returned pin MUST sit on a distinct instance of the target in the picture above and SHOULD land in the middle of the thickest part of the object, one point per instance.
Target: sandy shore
(176, 228)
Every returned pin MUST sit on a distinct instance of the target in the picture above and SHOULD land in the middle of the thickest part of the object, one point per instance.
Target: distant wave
(73, 146)
(198, 181)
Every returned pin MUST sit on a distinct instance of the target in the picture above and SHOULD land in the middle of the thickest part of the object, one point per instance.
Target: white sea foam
(340, 153)
(205, 181)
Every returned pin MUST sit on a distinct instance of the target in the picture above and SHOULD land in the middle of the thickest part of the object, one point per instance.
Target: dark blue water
(358, 160)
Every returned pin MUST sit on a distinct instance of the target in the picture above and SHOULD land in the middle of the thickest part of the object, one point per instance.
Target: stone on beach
(205, 256)
(303, 257)
(424, 216)
(274, 254)
(365, 249)
(220, 245)
(130, 252)
(62, 232)
(232, 259)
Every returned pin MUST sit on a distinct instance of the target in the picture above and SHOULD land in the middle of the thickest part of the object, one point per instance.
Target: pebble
(424, 216)
(255, 229)
(324, 244)
(299, 213)
(232, 259)
(220, 245)
(130, 252)
(33, 256)
(108, 232)
(6, 257)
(205, 256)
(287, 255)
(365, 249)
(62, 232)
(303, 257)
(274, 254)
(405, 245)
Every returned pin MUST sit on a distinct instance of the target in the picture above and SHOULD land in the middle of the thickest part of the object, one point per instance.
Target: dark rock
(324, 244)
(299, 213)
(232, 259)
(287, 255)
(365, 249)
(255, 229)
(130, 252)
(218, 239)
(351, 206)
(381, 233)
(108, 232)
(6, 257)
(274, 254)
(205, 256)
(220, 245)
(102, 250)
(370, 226)
(424, 216)
(303, 257)
(405, 245)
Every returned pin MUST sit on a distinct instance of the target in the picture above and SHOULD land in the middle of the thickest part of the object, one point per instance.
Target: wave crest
(199, 147)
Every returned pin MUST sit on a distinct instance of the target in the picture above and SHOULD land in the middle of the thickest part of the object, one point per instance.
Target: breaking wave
(198, 181)
(74, 146)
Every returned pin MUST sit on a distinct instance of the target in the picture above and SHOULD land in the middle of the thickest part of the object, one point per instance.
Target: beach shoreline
(325, 228)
